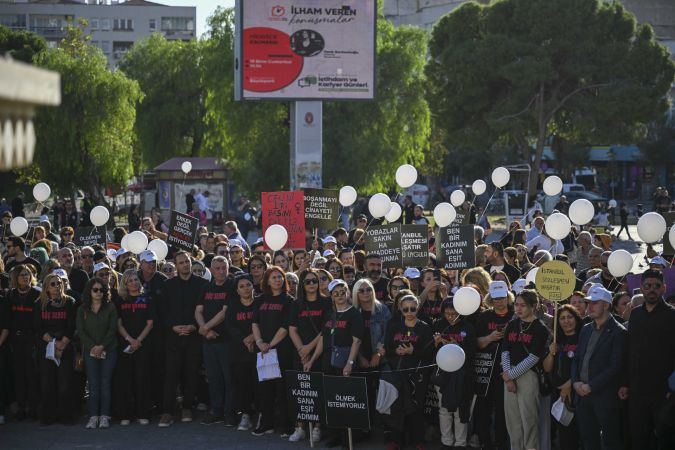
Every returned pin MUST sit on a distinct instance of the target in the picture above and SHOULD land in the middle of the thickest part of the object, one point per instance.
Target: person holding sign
(339, 347)
(524, 346)
(455, 391)
(408, 345)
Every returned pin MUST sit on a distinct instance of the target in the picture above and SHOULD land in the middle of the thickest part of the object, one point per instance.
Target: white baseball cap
(100, 266)
(328, 253)
(411, 273)
(329, 239)
(659, 261)
(147, 256)
(518, 285)
(499, 289)
(337, 282)
(598, 293)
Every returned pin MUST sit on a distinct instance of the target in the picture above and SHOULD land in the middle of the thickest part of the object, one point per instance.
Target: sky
(204, 9)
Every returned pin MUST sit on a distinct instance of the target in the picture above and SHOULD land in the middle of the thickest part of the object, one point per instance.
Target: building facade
(114, 26)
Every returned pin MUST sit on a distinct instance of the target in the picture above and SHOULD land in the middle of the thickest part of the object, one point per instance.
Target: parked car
(598, 201)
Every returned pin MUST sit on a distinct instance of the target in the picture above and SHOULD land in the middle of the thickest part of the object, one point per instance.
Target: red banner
(288, 210)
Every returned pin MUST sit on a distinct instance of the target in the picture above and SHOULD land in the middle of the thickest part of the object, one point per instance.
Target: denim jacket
(378, 325)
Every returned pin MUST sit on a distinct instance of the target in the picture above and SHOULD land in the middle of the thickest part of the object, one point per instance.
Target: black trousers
(407, 412)
(157, 356)
(183, 355)
(273, 394)
(245, 378)
(487, 407)
(56, 384)
(4, 375)
(131, 384)
(643, 412)
(26, 387)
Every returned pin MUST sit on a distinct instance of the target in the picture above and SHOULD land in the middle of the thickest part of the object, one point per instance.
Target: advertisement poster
(314, 49)
(306, 149)
(288, 210)
(165, 195)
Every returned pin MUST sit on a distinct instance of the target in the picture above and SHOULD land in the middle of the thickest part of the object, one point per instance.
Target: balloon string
(365, 230)
(397, 370)
(488, 204)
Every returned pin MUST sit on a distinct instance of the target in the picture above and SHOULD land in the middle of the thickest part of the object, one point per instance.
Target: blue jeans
(99, 377)
(217, 361)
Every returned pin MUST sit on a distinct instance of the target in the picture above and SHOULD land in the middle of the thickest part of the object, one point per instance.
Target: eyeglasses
(55, 284)
(409, 310)
(311, 281)
(339, 293)
(257, 266)
(323, 278)
(97, 290)
(397, 286)
(652, 285)
(365, 290)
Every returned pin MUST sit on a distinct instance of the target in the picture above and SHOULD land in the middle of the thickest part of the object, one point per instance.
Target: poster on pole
(88, 236)
(414, 245)
(455, 247)
(385, 240)
(305, 395)
(286, 208)
(346, 402)
(182, 231)
(305, 50)
(483, 365)
(322, 208)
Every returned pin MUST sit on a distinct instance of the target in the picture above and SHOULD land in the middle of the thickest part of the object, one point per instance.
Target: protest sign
(182, 230)
(346, 402)
(455, 247)
(483, 365)
(414, 245)
(322, 208)
(88, 236)
(555, 281)
(305, 395)
(635, 281)
(670, 222)
(385, 240)
(286, 209)
(431, 404)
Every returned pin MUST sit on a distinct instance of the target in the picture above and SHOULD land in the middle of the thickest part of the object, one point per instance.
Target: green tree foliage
(86, 142)
(521, 71)
(170, 117)
(22, 45)
(363, 143)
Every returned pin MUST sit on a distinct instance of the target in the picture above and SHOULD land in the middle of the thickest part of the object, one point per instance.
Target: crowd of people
(143, 340)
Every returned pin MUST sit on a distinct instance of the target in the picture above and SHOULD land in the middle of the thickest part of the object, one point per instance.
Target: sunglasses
(409, 310)
(97, 290)
(257, 266)
(652, 285)
(365, 290)
(311, 281)
(55, 284)
(223, 253)
(170, 270)
(338, 293)
(397, 286)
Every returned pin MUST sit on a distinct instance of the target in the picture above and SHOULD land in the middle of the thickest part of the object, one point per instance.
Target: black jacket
(511, 272)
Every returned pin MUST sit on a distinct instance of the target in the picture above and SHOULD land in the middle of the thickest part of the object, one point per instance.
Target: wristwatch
(350, 362)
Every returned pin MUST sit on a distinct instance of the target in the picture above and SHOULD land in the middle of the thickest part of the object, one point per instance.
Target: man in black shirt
(374, 273)
(183, 355)
(210, 315)
(496, 262)
(77, 277)
(16, 248)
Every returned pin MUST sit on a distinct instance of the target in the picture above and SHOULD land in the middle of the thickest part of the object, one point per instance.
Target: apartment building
(114, 25)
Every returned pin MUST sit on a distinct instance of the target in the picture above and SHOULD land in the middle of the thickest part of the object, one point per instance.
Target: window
(13, 20)
(152, 24)
(104, 24)
(93, 24)
(123, 24)
(105, 46)
(178, 24)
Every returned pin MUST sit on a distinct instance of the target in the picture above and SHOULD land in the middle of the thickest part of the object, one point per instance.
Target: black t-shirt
(421, 338)
(348, 325)
(308, 317)
(522, 338)
(134, 312)
(366, 349)
(179, 300)
(489, 321)
(272, 314)
(238, 319)
(214, 299)
(28, 261)
(566, 348)
(77, 279)
(57, 321)
(153, 288)
(381, 289)
(4, 315)
(431, 310)
(21, 309)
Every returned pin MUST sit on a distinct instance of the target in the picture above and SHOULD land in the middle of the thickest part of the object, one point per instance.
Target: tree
(525, 70)
(169, 120)
(364, 142)
(22, 45)
(86, 142)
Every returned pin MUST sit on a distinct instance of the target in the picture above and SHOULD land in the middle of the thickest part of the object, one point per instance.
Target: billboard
(306, 49)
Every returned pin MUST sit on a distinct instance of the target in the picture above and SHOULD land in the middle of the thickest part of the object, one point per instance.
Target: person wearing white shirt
(536, 228)
(202, 200)
(544, 242)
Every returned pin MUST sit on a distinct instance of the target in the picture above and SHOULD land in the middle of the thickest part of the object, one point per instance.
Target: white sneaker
(93, 423)
(202, 407)
(245, 423)
(104, 422)
(125, 422)
(316, 434)
(298, 435)
(143, 421)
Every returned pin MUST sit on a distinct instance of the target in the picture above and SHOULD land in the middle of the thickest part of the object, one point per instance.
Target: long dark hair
(300, 293)
(86, 293)
(560, 334)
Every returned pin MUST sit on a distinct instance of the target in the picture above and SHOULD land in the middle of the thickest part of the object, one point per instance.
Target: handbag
(339, 355)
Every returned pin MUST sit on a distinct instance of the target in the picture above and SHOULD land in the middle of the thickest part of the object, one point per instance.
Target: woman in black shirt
(408, 344)
(270, 328)
(395, 286)
(558, 363)
(136, 316)
(54, 320)
(256, 268)
(21, 300)
(239, 320)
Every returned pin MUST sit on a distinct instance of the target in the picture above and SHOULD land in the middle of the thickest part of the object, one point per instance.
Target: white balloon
(18, 226)
(651, 227)
(394, 213)
(186, 167)
(406, 175)
(466, 300)
(457, 197)
(501, 177)
(124, 243)
(619, 263)
(159, 247)
(478, 187)
(347, 196)
(379, 205)
(581, 211)
(450, 358)
(671, 236)
(612, 203)
(558, 226)
(553, 185)
(531, 276)
(41, 192)
(137, 241)
(276, 237)
(99, 216)
(444, 214)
